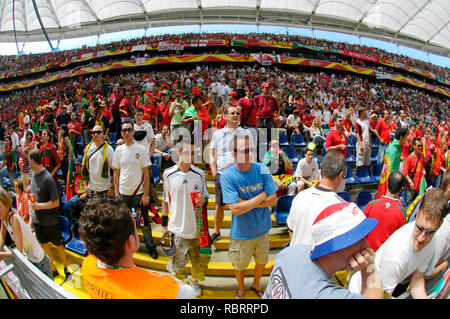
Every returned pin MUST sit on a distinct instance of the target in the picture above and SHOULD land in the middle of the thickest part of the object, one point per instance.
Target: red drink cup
(32, 198)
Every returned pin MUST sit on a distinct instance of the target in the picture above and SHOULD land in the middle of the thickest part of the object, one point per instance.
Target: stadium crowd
(100, 135)
(10, 64)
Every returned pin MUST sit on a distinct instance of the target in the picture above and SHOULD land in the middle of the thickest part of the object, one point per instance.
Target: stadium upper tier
(12, 67)
(422, 24)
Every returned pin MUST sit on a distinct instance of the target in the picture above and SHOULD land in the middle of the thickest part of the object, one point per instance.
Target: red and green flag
(391, 163)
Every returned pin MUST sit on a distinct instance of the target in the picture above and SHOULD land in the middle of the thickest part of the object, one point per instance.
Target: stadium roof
(421, 24)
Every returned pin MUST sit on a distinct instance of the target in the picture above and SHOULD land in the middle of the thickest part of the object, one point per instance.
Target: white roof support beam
(412, 18)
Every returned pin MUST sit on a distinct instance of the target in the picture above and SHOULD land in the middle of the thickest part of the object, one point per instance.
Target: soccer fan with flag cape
(391, 159)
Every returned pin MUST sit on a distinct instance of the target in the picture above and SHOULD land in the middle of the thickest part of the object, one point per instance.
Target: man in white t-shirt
(407, 253)
(132, 180)
(221, 158)
(308, 204)
(180, 218)
(143, 132)
(97, 160)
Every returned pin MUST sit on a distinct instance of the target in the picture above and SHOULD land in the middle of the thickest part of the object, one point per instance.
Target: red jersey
(265, 106)
(337, 138)
(391, 215)
(414, 167)
(384, 131)
(347, 125)
(149, 112)
(163, 109)
(247, 106)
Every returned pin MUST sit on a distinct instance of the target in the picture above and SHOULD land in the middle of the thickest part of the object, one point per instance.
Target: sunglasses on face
(235, 113)
(428, 232)
(246, 151)
(97, 132)
(125, 130)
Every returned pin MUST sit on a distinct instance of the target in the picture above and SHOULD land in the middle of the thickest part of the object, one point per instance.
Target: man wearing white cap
(305, 271)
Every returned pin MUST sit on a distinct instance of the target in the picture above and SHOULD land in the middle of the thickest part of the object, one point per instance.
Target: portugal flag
(391, 163)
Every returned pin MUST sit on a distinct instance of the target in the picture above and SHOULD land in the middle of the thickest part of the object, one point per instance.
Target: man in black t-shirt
(45, 211)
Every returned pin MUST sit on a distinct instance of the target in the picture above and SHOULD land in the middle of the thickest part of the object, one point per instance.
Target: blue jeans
(68, 206)
(381, 151)
(318, 139)
(5, 173)
(157, 158)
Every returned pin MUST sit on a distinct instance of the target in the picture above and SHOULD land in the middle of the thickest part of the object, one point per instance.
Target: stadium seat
(350, 157)
(112, 138)
(61, 194)
(65, 228)
(282, 208)
(284, 140)
(350, 179)
(292, 154)
(362, 175)
(298, 140)
(363, 198)
(376, 172)
(374, 155)
(156, 177)
(345, 196)
(76, 244)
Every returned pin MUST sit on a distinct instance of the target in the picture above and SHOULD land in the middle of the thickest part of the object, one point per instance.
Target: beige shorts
(363, 158)
(241, 251)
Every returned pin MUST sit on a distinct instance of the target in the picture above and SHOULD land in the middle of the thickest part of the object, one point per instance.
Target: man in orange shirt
(109, 232)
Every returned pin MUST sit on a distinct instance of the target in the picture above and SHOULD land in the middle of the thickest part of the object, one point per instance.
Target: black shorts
(46, 234)
(219, 197)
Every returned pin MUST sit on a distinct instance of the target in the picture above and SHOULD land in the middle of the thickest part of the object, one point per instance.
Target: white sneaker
(195, 285)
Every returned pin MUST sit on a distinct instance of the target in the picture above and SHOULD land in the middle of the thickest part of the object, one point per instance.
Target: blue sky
(39, 47)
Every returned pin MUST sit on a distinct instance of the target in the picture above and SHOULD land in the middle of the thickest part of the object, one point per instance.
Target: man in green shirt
(392, 159)
(176, 110)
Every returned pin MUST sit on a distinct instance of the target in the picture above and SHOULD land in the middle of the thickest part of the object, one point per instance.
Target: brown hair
(5, 199)
(434, 204)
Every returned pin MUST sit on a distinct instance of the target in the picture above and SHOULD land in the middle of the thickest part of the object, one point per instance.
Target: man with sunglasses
(130, 164)
(249, 190)
(98, 156)
(406, 254)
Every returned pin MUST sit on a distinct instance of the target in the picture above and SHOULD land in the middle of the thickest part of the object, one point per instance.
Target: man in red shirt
(414, 170)
(114, 102)
(149, 109)
(388, 210)
(337, 141)
(383, 132)
(248, 111)
(126, 105)
(50, 158)
(162, 111)
(266, 105)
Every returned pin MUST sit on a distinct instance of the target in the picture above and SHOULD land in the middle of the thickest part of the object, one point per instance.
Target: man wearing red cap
(114, 102)
(266, 105)
(149, 108)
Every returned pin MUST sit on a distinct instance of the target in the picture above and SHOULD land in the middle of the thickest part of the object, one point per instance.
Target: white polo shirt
(130, 160)
(220, 143)
(177, 188)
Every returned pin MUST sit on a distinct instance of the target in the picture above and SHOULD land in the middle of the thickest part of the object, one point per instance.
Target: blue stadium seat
(298, 140)
(156, 177)
(345, 196)
(65, 228)
(284, 140)
(376, 172)
(292, 154)
(282, 208)
(62, 196)
(76, 244)
(350, 179)
(363, 198)
(374, 155)
(350, 157)
(362, 175)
